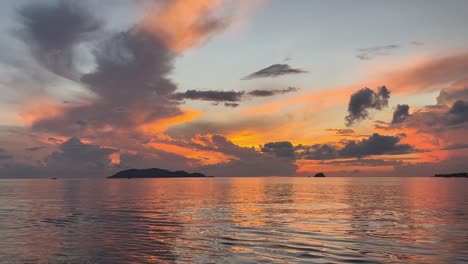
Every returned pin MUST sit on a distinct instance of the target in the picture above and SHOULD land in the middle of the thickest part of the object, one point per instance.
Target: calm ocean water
(235, 220)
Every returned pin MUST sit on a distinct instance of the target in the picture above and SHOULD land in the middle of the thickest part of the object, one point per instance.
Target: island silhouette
(155, 173)
(455, 175)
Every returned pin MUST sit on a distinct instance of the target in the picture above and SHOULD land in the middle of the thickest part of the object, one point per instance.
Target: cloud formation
(317, 152)
(376, 144)
(363, 100)
(457, 91)
(130, 82)
(400, 114)
(182, 24)
(132, 100)
(216, 96)
(224, 127)
(52, 31)
(129, 87)
(274, 70)
(265, 93)
(429, 75)
(72, 159)
(228, 96)
(417, 76)
(435, 128)
(458, 114)
(131, 74)
(249, 161)
(447, 114)
(73, 153)
(280, 149)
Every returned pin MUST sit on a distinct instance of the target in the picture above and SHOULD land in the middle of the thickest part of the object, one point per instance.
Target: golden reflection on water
(240, 220)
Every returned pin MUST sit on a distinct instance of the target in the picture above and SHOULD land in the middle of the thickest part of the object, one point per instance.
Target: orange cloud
(329, 97)
(289, 131)
(182, 24)
(427, 75)
(204, 157)
(161, 125)
(115, 158)
(39, 108)
(430, 144)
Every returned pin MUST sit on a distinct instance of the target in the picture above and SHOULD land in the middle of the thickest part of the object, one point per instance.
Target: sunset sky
(233, 87)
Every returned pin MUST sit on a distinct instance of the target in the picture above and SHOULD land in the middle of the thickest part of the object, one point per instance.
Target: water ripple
(268, 220)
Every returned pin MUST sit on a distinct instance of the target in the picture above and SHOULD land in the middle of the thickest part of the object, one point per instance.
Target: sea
(234, 220)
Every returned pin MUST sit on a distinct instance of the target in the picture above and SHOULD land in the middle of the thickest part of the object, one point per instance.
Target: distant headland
(155, 173)
(320, 174)
(456, 175)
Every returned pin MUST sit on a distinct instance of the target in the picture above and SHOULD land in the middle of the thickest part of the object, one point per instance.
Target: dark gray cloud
(280, 149)
(458, 114)
(242, 161)
(376, 144)
(363, 100)
(74, 152)
(233, 105)
(227, 96)
(274, 70)
(400, 114)
(444, 124)
(248, 161)
(447, 115)
(451, 109)
(52, 31)
(317, 152)
(217, 96)
(130, 81)
(265, 93)
(131, 74)
(372, 52)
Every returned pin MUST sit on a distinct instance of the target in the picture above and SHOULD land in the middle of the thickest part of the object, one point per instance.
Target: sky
(233, 87)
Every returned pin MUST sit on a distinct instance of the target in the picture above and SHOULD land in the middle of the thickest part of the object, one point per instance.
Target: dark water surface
(235, 220)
